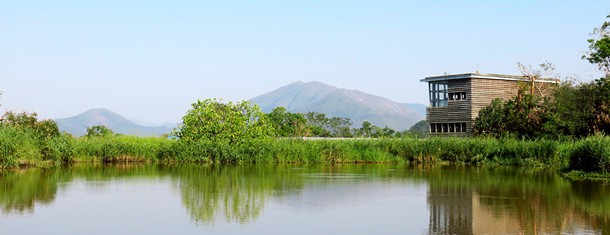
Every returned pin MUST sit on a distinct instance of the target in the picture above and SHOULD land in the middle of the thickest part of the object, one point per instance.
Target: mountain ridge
(77, 125)
(301, 97)
(337, 102)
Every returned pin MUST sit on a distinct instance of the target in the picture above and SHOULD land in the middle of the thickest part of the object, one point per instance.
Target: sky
(150, 60)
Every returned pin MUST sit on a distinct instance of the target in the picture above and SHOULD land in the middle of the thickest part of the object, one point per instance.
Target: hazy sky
(149, 60)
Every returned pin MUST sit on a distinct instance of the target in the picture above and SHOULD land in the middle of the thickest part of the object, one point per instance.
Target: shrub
(591, 155)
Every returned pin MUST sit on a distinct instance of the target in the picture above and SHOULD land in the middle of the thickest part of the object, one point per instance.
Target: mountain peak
(358, 106)
(77, 125)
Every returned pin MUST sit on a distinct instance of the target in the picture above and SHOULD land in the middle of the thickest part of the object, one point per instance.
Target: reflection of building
(458, 209)
(455, 100)
(450, 210)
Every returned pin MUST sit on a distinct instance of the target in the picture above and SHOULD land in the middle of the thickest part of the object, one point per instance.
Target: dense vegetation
(26, 141)
(26, 145)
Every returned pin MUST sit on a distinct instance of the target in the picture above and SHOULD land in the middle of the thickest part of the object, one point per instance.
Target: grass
(23, 147)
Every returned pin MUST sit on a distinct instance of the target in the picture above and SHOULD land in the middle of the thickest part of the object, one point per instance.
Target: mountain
(419, 108)
(78, 125)
(335, 102)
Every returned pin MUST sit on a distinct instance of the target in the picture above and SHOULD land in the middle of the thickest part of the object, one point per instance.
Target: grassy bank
(22, 147)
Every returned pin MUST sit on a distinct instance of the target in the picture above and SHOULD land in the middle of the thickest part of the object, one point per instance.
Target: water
(297, 199)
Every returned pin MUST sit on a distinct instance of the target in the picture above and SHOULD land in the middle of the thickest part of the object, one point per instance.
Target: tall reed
(22, 147)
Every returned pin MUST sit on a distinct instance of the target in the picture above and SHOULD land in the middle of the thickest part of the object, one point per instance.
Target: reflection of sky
(119, 207)
(347, 207)
(144, 206)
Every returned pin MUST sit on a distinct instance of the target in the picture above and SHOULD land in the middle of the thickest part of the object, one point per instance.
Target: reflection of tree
(237, 193)
(21, 190)
(593, 198)
(461, 199)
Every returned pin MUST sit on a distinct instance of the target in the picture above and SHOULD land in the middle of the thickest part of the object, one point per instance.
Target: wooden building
(455, 100)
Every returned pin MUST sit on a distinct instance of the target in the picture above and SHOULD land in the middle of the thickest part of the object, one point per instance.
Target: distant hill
(419, 108)
(78, 124)
(335, 102)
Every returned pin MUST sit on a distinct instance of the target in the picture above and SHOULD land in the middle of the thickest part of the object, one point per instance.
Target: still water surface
(295, 199)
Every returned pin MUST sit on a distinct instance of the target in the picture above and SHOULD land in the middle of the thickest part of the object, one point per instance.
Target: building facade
(455, 100)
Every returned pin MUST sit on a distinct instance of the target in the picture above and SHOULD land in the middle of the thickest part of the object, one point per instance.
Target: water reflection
(21, 190)
(234, 193)
(464, 200)
(461, 200)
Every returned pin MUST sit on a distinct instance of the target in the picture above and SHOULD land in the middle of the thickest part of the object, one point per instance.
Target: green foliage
(571, 110)
(591, 155)
(599, 54)
(288, 124)
(60, 149)
(19, 146)
(601, 106)
(523, 116)
(119, 148)
(99, 131)
(368, 130)
(224, 123)
(322, 126)
(599, 48)
(26, 141)
(46, 128)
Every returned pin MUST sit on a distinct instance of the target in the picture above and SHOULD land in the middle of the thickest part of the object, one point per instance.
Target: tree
(544, 71)
(599, 54)
(99, 131)
(367, 129)
(387, 132)
(571, 109)
(45, 128)
(522, 116)
(228, 123)
(287, 124)
(322, 126)
(340, 127)
(599, 48)
(317, 124)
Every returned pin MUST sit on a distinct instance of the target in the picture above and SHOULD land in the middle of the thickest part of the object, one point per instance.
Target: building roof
(485, 76)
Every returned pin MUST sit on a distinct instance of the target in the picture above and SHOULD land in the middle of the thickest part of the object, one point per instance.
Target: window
(457, 96)
(438, 94)
(459, 127)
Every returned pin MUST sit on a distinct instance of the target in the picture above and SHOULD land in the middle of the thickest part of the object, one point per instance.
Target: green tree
(287, 124)
(340, 127)
(522, 116)
(322, 126)
(599, 54)
(45, 128)
(229, 123)
(367, 130)
(571, 109)
(387, 132)
(99, 131)
(318, 124)
(599, 48)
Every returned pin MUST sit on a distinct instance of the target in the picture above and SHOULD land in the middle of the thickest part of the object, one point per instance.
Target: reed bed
(23, 147)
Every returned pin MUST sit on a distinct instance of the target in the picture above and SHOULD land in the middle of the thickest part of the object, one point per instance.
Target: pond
(299, 199)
